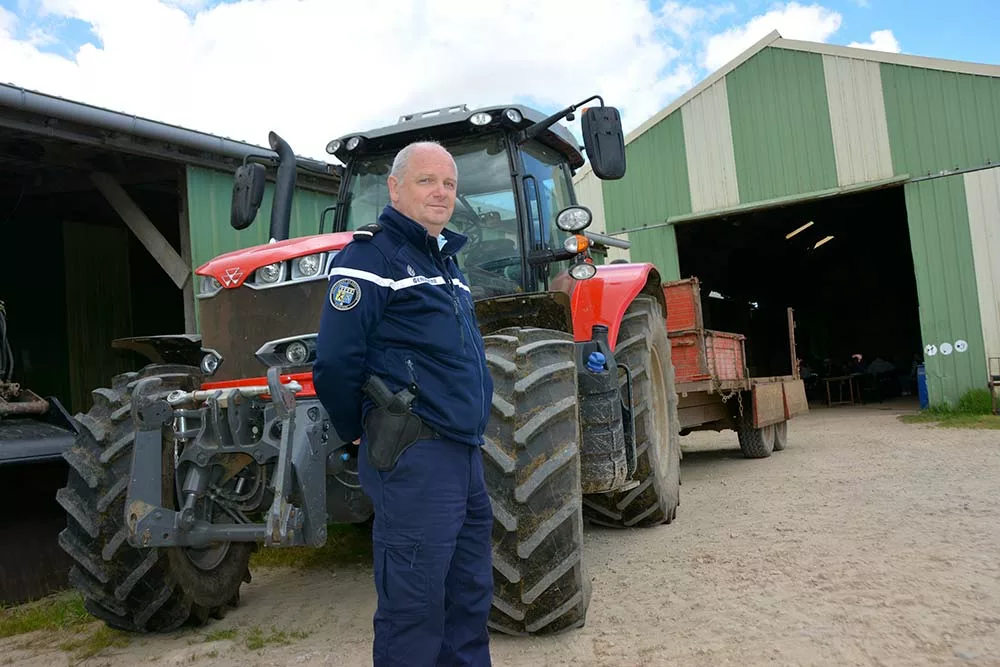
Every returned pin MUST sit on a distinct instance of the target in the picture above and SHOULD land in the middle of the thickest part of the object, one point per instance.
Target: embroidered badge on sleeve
(345, 294)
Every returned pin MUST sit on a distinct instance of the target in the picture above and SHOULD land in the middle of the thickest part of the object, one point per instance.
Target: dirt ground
(866, 542)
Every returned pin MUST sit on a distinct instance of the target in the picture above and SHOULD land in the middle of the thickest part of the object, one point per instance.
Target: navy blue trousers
(432, 556)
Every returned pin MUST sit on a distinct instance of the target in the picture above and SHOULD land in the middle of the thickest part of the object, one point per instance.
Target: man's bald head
(423, 183)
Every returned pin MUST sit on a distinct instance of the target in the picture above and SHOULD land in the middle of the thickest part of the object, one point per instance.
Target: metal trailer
(714, 388)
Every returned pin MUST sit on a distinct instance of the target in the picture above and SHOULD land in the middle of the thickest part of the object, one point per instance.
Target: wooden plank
(696, 415)
(768, 404)
(795, 399)
(98, 306)
(143, 228)
(791, 342)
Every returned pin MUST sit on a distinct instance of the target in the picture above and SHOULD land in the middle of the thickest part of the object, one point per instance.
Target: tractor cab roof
(453, 122)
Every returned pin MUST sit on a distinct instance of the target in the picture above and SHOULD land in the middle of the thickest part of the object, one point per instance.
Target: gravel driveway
(866, 542)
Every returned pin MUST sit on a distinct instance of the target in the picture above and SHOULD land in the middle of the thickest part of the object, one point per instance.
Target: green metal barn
(858, 187)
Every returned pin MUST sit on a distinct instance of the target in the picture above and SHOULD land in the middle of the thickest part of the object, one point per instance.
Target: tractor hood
(233, 268)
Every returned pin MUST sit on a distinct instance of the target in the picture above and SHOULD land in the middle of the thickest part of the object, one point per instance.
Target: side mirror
(604, 142)
(248, 192)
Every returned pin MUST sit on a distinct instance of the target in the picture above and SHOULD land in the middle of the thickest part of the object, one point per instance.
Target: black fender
(182, 349)
(545, 310)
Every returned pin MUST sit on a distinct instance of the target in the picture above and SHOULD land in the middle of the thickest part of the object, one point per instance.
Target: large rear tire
(137, 590)
(532, 466)
(643, 346)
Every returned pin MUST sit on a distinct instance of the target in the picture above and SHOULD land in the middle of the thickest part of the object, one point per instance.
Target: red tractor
(221, 445)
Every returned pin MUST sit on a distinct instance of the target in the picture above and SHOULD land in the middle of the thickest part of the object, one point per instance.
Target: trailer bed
(710, 369)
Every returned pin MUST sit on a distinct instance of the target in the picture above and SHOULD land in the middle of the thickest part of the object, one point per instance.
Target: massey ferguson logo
(232, 276)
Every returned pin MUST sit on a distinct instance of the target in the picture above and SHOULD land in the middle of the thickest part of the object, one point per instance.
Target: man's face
(426, 190)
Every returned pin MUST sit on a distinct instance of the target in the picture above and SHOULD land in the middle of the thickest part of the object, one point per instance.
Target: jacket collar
(414, 232)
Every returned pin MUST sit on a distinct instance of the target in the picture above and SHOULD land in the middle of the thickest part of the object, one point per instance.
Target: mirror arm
(533, 131)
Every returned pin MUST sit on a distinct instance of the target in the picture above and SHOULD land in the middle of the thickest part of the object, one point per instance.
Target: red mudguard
(604, 298)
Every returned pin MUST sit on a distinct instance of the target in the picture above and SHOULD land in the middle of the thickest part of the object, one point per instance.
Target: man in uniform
(400, 311)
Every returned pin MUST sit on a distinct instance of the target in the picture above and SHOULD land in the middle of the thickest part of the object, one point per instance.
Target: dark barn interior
(73, 277)
(842, 263)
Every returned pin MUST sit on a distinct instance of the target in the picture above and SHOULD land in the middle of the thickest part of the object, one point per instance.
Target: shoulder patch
(345, 294)
(366, 232)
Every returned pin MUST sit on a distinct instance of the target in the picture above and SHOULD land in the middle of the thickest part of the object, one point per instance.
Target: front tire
(532, 466)
(137, 590)
(643, 346)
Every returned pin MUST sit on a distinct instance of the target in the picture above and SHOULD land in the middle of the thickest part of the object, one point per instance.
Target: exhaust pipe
(284, 188)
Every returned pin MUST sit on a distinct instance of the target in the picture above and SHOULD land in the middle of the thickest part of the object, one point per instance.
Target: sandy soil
(867, 542)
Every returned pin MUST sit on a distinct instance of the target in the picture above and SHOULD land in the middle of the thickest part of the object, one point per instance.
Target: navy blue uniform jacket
(398, 307)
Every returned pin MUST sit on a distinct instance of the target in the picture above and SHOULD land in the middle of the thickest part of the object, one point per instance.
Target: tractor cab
(515, 169)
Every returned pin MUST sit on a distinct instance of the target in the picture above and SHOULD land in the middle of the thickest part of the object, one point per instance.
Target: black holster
(390, 426)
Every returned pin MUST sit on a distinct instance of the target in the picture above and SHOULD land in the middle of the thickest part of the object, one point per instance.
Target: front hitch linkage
(150, 524)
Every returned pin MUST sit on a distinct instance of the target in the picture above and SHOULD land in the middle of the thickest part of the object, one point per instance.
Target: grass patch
(972, 411)
(90, 645)
(256, 639)
(220, 635)
(346, 544)
(954, 420)
(64, 611)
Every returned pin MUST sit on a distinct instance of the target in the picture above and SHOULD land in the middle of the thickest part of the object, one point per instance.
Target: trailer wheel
(137, 590)
(755, 443)
(532, 466)
(644, 347)
(780, 435)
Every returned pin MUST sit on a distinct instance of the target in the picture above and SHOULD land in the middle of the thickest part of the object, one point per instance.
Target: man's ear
(393, 183)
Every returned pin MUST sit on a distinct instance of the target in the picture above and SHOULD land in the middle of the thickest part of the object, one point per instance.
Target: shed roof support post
(190, 315)
(143, 228)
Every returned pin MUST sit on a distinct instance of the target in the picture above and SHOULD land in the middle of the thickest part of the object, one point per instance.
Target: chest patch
(345, 294)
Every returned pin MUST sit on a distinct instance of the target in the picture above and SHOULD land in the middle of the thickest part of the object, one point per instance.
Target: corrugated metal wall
(708, 144)
(946, 287)
(781, 125)
(982, 196)
(857, 120)
(940, 120)
(209, 194)
(655, 188)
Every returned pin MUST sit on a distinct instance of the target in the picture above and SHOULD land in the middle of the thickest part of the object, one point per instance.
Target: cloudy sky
(316, 69)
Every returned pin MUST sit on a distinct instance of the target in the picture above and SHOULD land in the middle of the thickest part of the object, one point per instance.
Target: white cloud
(880, 40)
(314, 69)
(812, 23)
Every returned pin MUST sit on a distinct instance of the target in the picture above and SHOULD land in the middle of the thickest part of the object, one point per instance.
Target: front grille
(236, 322)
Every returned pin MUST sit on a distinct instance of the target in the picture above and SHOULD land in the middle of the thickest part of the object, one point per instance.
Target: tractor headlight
(309, 265)
(352, 143)
(583, 271)
(297, 353)
(208, 286)
(293, 351)
(576, 243)
(210, 363)
(574, 218)
(270, 273)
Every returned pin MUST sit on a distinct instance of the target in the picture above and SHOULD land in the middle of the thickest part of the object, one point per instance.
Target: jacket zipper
(479, 353)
